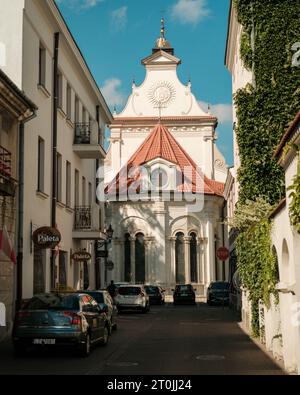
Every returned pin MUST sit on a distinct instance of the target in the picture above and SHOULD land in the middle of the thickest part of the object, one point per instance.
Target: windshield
(220, 286)
(52, 302)
(98, 296)
(151, 290)
(184, 288)
(129, 291)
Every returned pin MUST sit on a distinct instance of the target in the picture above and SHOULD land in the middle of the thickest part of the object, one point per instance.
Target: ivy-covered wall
(264, 110)
(270, 28)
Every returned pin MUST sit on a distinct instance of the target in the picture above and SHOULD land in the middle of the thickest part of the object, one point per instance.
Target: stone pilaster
(132, 259)
(187, 261)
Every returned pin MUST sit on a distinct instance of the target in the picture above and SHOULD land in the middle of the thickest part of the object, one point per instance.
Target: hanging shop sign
(46, 237)
(81, 256)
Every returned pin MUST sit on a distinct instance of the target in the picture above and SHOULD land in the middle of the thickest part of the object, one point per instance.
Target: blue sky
(114, 35)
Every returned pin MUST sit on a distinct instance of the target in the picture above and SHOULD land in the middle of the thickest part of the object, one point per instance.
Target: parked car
(132, 297)
(218, 293)
(106, 304)
(156, 294)
(118, 285)
(53, 319)
(184, 293)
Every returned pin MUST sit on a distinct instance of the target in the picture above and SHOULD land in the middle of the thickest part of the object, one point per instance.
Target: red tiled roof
(161, 144)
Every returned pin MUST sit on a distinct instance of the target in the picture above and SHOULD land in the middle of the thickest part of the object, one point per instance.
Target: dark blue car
(218, 293)
(53, 319)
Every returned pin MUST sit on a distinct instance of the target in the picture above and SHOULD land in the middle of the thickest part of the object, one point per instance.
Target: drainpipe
(223, 240)
(54, 150)
(97, 248)
(19, 268)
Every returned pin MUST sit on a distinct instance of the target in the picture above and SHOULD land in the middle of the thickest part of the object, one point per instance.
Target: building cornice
(281, 205)
(292, 135)
(231, 41)
(14, 100)
(168, 121)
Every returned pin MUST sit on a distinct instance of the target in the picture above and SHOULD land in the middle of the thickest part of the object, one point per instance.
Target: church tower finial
(162, 30)
(161, 42)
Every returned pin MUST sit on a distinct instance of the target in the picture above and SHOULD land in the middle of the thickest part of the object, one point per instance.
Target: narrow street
(180, 340)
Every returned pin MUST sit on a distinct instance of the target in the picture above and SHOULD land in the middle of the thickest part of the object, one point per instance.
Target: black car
(184, 293)
(52, 319)
(155, 293)
(218, 293)
(106, 304)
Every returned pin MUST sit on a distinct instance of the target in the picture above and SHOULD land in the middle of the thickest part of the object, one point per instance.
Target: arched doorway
(140, 258)
(127, 258)
(179, 258)
(193, 258)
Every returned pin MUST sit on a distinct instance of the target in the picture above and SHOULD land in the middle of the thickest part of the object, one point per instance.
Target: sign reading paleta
(46, 237)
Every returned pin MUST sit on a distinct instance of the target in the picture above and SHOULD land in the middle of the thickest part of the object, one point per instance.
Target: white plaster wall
(39, 25)
(289, 277)
(11, 33)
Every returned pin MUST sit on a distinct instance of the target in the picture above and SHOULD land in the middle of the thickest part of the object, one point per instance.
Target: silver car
(132, 297)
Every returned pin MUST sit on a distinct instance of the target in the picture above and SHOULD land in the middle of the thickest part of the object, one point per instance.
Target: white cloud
(80, 4)
(190, 11)
(111, 92)
(222, 111)
(119, 18)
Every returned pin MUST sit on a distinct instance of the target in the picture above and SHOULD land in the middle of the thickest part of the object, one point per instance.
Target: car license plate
(44, 341)
(184, 294)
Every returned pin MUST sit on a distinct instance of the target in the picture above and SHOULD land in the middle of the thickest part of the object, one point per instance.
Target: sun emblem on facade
(161, 94)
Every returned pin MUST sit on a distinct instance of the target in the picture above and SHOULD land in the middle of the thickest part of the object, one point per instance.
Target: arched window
(179, 258)
(127, 258)
(193, 258)
(286, 275)
(140, 258)
(276, 263)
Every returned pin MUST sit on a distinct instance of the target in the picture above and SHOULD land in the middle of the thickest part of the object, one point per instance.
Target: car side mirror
(195, 289)
(172, 290)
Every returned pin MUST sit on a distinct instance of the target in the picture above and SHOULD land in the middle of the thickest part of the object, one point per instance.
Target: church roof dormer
(162, 144)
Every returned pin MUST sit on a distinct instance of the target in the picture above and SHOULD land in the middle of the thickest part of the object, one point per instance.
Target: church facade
(164, 180)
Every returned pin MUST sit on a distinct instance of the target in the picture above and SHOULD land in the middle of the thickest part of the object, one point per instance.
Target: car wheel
(19, 350)
(105, 336)
(85, 348)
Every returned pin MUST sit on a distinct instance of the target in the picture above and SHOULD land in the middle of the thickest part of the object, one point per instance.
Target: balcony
(86, 144)
(86, 223)
(7, 183)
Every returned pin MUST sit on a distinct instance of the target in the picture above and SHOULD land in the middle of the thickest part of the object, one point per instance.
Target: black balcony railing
(82, 133)
(83, 218)
(5, 162)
